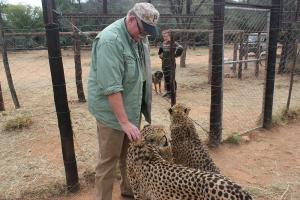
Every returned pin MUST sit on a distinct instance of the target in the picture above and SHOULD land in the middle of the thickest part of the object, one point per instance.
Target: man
(164, 54)
(119, 90)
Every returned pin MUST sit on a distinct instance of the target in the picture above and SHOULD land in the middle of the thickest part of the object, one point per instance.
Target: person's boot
(167, 95)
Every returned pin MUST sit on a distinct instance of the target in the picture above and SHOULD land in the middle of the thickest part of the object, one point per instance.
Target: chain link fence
(36, 150)
(245, 52)
(287, 82)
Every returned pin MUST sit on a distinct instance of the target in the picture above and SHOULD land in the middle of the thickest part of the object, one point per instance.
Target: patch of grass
(284, 117)
(234, 138)
(256, 192)
(276, 190)
(3, 113)
(18, 123)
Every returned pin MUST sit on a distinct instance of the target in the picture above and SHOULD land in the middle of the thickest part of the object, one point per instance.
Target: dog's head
(158, 75)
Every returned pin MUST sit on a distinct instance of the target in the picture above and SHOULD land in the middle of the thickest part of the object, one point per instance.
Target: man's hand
(116, 102)
(132, 132)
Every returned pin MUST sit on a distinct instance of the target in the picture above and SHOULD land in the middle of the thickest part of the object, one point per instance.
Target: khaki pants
(113, 145)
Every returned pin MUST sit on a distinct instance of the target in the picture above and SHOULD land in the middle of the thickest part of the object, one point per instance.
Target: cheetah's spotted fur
(187, 148)
(152, 177)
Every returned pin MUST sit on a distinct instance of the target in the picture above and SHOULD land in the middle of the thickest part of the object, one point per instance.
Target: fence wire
(245, 39)
(287, 62)
(245, 51)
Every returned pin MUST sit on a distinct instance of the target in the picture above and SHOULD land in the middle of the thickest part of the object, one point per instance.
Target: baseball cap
(148, 15)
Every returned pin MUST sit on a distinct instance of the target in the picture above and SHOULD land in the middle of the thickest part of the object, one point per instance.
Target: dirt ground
(268, 165)
(31, 162)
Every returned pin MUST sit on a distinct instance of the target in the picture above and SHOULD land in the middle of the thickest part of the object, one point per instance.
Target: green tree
(22, 18)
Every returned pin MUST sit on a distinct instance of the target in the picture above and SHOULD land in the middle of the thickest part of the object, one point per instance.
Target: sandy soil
(268, 165)
(31, 160)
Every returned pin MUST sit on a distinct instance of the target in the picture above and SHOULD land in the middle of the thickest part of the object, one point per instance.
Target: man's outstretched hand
(132, 132)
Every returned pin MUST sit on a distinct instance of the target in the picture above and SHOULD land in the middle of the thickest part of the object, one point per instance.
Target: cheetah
(153, 178)
(156, 135)
(187, 148)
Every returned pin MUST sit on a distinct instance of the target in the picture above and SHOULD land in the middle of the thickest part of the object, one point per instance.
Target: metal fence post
(60, 94)
(270, 76)
(216, 106)
(172, 70)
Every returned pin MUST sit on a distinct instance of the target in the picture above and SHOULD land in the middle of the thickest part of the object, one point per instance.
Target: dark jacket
(164, 53)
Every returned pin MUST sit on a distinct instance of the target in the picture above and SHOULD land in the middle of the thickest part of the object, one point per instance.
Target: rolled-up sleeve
(110, 67)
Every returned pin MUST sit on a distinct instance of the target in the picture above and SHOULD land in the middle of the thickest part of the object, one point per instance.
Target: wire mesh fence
(245, 52)
(287, 96)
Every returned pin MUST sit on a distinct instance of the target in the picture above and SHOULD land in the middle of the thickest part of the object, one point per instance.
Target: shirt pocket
(130, 68)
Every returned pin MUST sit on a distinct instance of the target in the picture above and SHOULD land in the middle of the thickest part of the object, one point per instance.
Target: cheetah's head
(179, 111)
(155, 134)
(142, 152)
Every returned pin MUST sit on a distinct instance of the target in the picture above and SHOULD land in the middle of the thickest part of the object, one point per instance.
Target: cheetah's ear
(170, 110)
(187, 110)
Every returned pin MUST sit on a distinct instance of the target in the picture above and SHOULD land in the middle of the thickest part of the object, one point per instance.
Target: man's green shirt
(116, 67)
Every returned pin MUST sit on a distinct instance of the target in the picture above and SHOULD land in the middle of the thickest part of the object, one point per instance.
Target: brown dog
(156, 80)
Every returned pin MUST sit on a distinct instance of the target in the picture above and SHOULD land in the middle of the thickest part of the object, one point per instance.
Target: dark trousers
(167, 77)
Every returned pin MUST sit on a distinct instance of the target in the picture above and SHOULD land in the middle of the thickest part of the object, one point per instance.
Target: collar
(128, 36)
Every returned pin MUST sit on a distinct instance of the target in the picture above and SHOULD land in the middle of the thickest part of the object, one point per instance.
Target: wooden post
(60, 94)
(294, 62)
(257, 55)
(235, 50)
(2, 108)
(104, 6)
(172, 70)
(77, 60)
(292, 77)
(6, 66)
(246, 49)
(210, 39)
(241, 53)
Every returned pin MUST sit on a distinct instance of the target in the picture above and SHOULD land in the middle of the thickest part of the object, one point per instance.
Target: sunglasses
(139, 25)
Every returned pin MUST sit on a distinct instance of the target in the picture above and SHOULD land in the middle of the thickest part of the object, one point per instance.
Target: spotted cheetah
(187, 148)
(152, 177)
(156, 135)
